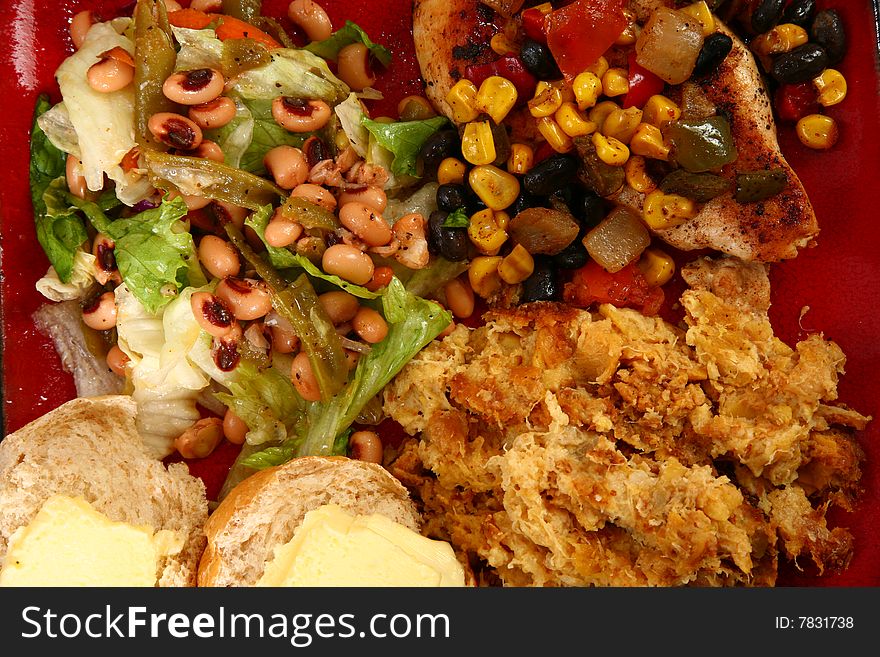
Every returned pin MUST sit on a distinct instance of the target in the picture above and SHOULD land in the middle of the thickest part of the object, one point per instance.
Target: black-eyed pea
(304, 378)
(247, 298)
(199, 440)
(76, 181)
(312, 18)
(207, 6)
(218, 256)
(284, 341)
(114, 71)
(315, 194)
(459, 298)
(282, 231)
(298, 115)
(351, 358)
(365, 222)
(371, 195)
(369, 325)
(213, 315)
(117, 360)
(340, 306)
(365, 446)
(287, 165)
(80, 25)
(100, 313)
(349, 263)
(175, 130)
(194, 87)
(229, 213)
(213, 114)
(209, 150)
(172, 5)
(353, 66)
(234, 428)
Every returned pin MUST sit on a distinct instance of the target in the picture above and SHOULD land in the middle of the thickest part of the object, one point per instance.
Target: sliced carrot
(189, 18)
(233, 28)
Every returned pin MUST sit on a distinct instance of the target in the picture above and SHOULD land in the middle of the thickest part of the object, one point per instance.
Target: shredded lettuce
(104, 122)
(350, 113)
(235, 138)
(292, 72)
(82, 277)
(198, 49)
(285, 259)
(350, 33)
(404, 139)
(155, 253)
(412, 323)
(56, 124)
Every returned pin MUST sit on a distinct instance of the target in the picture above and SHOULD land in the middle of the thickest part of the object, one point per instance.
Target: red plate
(839, 280)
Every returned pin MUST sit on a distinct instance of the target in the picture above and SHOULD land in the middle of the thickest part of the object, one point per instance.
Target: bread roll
(90, 448)
(265, 510)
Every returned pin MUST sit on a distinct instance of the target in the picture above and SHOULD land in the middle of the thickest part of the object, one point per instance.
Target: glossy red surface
(838, 280)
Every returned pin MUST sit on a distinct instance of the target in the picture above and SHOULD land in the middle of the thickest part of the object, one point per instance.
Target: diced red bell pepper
(626, 288)
(510, 67)
(543, 151)
(795, 101)
(642, 84)
(579, 33)
(533, 25)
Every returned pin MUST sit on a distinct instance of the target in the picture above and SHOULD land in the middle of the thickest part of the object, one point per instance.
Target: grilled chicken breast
(451, 34)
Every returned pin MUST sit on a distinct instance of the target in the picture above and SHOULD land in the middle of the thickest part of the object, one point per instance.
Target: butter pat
(335, 548)
(69, 543)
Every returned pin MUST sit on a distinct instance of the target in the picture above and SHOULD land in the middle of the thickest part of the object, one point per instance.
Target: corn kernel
(660, 111)
(517, 266)
(462, 99)
(701, 12)
(601, 111)
(496, 188)
(558, 140)
(502, 219)
(451, 170)
(483, 275)
(615, 82)
(648, 141)
(782, 38)
(817, 131)
(831, 86)
(656, 266)
(572, 122)
(610, 150)
(496, 97)
(630, 33)
(599, 68)
(637, 177)
(485, 233)
(548, 99)
(477, 143)
(521, 160)
(587, 88)
(663, 211)
(501, 44)
(622, 123)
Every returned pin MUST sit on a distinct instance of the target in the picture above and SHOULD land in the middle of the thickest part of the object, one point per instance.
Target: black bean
(451, 197)
(766, 15)
(551, 175)
(451, 243)
(437, 148)
(715, 48)
(592, 209)
(828, 32)
(543, 284)
(574, 256)
(800, 65)
(435, 223)
(799, 12)
(539, 61)
(524, 201)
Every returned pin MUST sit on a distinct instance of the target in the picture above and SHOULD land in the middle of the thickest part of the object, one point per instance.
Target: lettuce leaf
(404, 139)
(457, 219)
(350, 113)
(345, 36)
(292, 72)
(156, 256)
(286, 259)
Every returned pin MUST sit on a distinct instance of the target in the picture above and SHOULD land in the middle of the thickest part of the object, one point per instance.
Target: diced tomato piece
(533, 25)
(795, 101)
(626, 288)
(642, 84)
(543, 151)
(510, 67)
(581, 32)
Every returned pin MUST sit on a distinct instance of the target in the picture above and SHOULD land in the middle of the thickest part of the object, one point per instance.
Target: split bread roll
(87, 453)
(260, 518)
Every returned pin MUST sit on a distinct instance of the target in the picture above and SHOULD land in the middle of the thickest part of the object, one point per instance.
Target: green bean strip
(298, 303)
(154, 58)
(274, 28)
(209, 179)
(308, 214)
